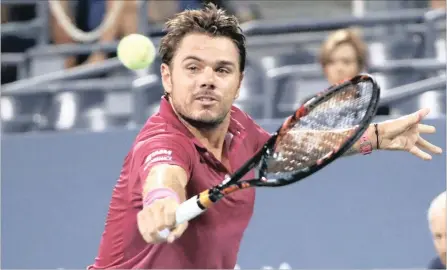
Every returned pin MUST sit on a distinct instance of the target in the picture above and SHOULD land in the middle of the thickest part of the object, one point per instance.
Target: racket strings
(323, 130)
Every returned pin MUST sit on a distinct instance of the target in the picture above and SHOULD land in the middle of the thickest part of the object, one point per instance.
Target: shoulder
(241, 116)
(157, 135)
(253, 130)
(436, 263)
(246, 121)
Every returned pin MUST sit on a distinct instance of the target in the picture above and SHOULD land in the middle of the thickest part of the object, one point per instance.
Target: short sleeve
(256, 131)
(262, 135)
(172, 149)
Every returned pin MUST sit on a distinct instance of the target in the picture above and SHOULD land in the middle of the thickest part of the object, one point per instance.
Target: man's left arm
(401, 134)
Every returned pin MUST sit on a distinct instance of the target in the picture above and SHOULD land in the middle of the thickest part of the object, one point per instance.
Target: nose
(207, 80)
(340, 67)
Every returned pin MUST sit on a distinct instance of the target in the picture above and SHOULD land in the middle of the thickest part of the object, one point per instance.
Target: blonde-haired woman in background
(343, 55)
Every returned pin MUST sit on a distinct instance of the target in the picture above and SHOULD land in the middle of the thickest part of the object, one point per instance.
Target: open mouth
(207, 99)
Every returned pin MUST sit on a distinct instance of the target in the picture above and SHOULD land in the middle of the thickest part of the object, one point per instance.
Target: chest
(208, 171)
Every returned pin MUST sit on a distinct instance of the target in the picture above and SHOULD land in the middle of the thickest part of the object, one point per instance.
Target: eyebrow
(220, 62)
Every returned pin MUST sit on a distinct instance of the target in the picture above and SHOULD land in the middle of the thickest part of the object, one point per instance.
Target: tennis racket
(319, 132)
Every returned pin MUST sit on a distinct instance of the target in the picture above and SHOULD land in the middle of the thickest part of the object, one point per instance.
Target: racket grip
(186, 211)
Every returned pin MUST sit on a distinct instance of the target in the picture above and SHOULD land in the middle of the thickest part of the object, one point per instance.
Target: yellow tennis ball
(136, 51)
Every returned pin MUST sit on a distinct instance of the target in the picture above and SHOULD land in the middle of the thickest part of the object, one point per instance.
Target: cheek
(440, 243)
(354, 67)
(330, 71)
(330, 67)
(232, 90)
(183, 88)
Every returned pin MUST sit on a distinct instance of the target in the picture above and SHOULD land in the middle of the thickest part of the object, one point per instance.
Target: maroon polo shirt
(212, 240)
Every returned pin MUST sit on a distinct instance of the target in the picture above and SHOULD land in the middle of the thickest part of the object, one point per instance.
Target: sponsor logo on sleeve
(156, 156)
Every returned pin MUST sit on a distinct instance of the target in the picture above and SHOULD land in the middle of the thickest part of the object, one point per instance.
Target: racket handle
(185, 212)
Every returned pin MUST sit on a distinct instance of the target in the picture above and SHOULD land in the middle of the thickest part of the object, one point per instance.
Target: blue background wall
(360, 212)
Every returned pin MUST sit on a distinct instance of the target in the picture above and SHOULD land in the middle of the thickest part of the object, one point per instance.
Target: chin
(209, 120)
(208, 115)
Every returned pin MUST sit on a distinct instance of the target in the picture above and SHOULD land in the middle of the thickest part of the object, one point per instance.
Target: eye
(193, 69)
(223, 70)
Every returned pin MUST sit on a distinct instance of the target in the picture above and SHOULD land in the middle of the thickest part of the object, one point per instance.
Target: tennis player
(192, 143)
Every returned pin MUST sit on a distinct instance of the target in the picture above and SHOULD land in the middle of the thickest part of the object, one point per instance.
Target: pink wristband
(159, 193)
(365, 145)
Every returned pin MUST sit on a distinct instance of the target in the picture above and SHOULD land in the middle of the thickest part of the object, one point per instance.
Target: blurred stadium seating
(406, 41)
(282, 70)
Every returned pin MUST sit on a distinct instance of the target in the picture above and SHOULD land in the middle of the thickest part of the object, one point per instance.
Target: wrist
(160, 193)
(376, 135)
(365, 144)
(369, 140)
(373, 135)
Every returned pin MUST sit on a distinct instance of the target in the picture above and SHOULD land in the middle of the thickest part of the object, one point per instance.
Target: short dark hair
(210, 20)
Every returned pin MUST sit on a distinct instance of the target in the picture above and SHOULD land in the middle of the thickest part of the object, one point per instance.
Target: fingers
(415, 118)
(144, 225)
(159, 216)
(177, 232)
(148, 224)
(170, 221)
(426, 129)
(419, 153)
(421, 114)
(156, 210)
(427, 146)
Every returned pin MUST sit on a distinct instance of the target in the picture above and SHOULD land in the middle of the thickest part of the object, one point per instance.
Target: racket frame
(199, 203)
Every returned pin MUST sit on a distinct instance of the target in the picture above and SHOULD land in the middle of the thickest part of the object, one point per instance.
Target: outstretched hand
(404, 134)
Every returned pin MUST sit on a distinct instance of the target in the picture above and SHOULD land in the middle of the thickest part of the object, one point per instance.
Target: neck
(212, 139)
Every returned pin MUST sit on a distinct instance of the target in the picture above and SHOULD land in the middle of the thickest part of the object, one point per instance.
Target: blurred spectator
(437, 223)
(437, 4)
(343, 55)
(88, 15)
(4, 10)
(15, 44)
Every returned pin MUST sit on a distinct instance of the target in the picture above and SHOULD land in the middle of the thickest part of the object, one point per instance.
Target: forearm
(166, 176)
(163, 190)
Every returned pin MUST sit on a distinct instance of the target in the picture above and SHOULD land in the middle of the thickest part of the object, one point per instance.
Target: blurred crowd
(342, 55)
(87, 15)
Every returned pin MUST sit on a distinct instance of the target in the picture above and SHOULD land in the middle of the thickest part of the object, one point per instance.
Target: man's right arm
(164, 174)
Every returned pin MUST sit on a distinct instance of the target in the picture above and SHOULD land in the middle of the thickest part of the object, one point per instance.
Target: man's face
(342, 64)
(438, 229)
(204, 79)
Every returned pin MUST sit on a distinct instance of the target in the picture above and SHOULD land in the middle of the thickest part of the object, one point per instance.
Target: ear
(239, 86)
(166, 77)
